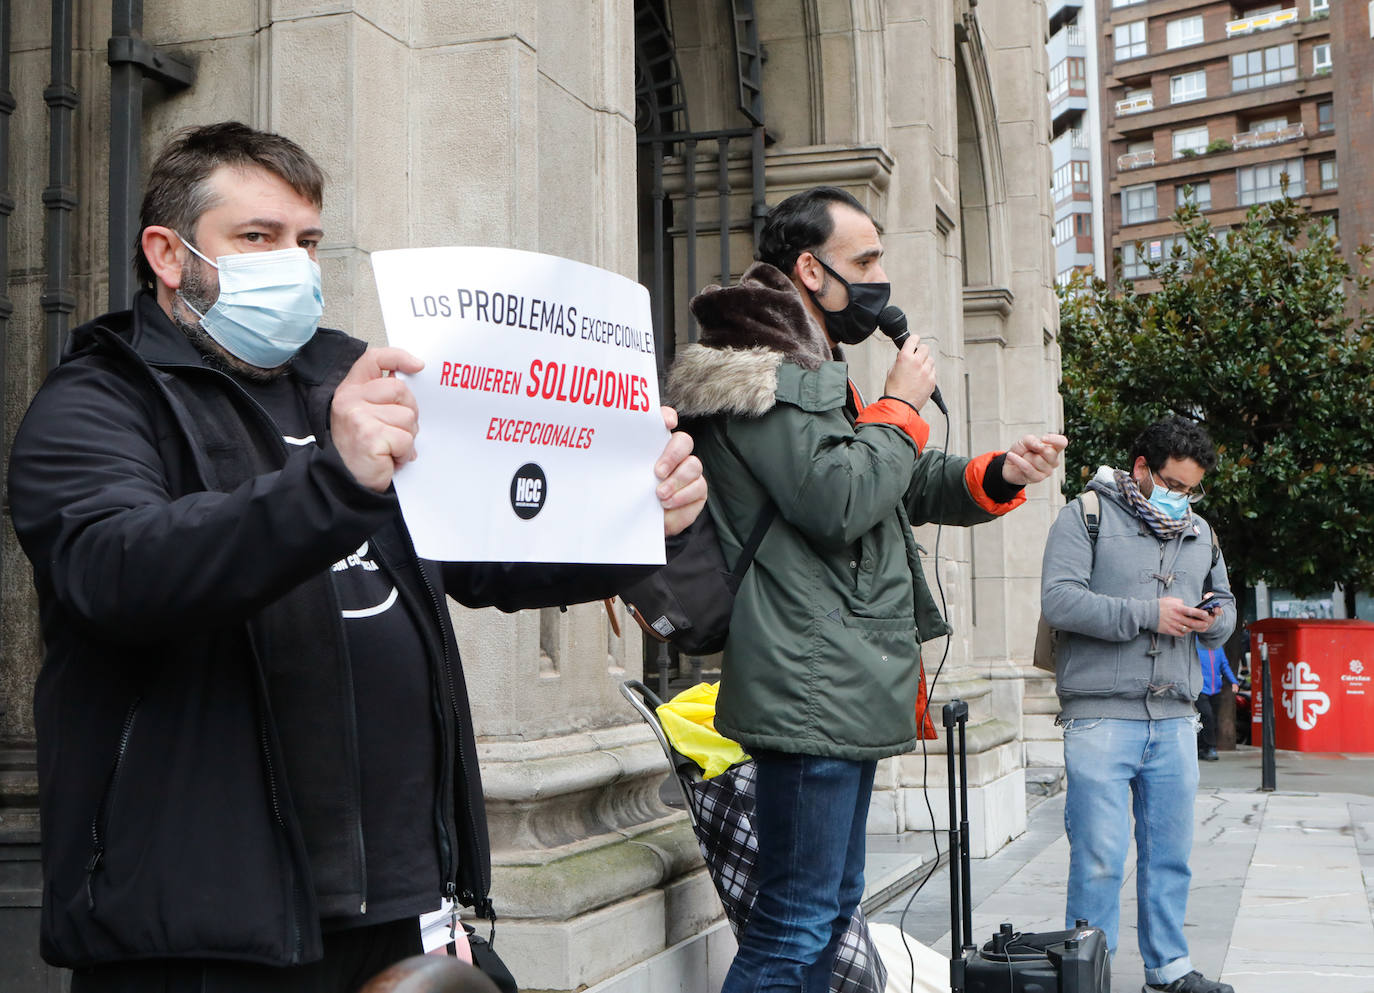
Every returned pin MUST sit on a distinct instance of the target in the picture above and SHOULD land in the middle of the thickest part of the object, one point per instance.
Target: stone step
(1044, 781)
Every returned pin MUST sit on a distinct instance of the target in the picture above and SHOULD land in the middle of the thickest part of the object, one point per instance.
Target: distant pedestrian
(1215, 668)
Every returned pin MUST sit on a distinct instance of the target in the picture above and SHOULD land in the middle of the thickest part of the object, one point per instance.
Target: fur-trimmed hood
(747, 331)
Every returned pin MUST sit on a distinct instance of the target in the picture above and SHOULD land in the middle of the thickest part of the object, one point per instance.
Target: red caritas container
(1322, 676)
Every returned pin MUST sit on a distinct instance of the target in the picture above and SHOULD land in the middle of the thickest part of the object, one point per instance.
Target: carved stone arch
(982, 180)
(846, 103)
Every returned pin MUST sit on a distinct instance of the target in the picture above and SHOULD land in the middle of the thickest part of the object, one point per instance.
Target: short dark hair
(1174, 438)
(178, 190)
(801, 223)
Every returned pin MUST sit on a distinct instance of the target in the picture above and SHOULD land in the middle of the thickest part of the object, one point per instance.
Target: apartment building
(1220, 101)
(1076, 138)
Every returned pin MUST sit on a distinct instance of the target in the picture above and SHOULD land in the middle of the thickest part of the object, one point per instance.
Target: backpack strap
(1090, 506)
(767, 512)
(751, 545)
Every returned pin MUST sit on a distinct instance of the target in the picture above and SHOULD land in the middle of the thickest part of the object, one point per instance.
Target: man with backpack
(1132, 576)
(821, 670)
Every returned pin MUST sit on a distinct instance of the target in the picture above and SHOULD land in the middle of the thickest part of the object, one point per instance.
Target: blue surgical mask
(269, 304)
(1171, 504)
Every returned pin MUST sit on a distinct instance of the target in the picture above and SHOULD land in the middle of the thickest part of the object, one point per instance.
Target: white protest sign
(539, 414)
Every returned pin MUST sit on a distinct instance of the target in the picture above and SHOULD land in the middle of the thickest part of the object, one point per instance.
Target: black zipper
(100, 823)
(274, 432)
(455, 748)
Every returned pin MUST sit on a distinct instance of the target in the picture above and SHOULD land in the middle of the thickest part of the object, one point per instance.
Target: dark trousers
(351, 958)
(1207, 731)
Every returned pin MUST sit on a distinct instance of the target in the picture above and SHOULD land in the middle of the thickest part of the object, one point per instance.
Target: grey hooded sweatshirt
(1103, 599)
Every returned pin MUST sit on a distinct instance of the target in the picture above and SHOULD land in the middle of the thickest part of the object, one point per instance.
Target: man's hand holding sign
(537, 379)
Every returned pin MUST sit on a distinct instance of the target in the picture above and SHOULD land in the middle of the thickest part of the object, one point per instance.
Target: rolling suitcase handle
(960, 877)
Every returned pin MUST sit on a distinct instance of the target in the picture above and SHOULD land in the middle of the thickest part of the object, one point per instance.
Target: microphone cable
(893, 323)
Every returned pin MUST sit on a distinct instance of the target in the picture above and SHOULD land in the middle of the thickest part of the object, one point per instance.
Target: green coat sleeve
(939, 494)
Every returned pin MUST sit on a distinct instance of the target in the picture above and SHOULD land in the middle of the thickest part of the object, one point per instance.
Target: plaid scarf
(1164, 528)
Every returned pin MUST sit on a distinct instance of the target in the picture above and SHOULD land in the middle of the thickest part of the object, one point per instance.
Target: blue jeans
(1116, 766)
(810, 815)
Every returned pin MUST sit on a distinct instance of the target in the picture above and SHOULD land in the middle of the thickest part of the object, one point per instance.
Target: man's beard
(197, 291)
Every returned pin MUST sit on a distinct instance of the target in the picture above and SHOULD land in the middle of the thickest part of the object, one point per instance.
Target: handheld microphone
(892, 322)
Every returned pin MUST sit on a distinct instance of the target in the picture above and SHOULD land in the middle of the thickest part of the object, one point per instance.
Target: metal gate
(131, 61)
(667, 141)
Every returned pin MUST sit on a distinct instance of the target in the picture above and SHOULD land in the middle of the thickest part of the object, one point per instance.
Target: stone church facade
(646, 137)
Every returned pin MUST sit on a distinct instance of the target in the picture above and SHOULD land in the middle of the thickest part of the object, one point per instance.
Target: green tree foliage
(1262, 334)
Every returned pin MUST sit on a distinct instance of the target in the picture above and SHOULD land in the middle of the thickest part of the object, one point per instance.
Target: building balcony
(1135, 105)
(1134, 160)
(1261, 22)
(1267, 136)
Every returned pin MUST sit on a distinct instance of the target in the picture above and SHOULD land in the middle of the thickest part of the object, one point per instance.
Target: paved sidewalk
(1283, 883)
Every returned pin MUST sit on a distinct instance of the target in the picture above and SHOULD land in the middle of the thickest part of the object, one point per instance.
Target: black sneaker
(1209, 755)
(1194, 982)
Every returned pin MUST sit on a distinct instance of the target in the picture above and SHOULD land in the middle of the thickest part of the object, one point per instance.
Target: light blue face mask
(269, 304)
(1173, 505)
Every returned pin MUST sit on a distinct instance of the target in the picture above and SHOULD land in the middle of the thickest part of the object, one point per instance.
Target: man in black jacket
(256, 762)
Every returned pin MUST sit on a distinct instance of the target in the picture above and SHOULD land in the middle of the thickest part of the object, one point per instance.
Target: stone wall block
(474, 145)
(910, 78)
(574, 63)
(788, 69)
(691, 905)
(1023, 101)
(379, 119)
(389, 16)
(840, 94)
(570, 955)
(30, 73)
(181, 24)
(442, 22)
(312, 63)
(227, 88)
(350, 294)
(569, 221)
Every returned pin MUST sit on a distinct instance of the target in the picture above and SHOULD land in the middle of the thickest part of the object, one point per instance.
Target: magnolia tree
(1263, 335)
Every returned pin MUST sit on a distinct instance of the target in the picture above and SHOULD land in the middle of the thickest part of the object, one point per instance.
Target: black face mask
(859, 319)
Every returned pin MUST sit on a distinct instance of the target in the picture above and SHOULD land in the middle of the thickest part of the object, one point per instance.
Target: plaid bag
(723, 810)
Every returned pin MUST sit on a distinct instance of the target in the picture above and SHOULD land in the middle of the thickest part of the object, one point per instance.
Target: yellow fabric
(688, 721)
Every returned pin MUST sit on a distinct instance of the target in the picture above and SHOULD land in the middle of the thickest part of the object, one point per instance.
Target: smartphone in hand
(1213, 603)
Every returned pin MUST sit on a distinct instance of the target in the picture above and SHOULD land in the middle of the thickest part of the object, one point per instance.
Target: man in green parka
(822, 670)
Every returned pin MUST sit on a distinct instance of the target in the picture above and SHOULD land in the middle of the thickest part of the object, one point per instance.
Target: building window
(1262, 183)
(1130, 40)
(1063, 230)
(1328, 173)
(1083, 225)
(1188, 86)
(1324, 119)
(1184, 31)
(1196, 193)
(1321, 8)
(1263, 67)
(1137, 256)
(1138, 204)
(1190, 140)
(1321, 58)
(1068, 76)
(1126, 3)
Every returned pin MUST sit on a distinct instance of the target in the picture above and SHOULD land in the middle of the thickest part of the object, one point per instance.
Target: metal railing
(1136, 105)
(1134, 160)
(1266, 136)
(1261, 22)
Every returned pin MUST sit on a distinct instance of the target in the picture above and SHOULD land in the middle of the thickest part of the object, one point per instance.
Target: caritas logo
(1303, 699)
(1355, 681)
